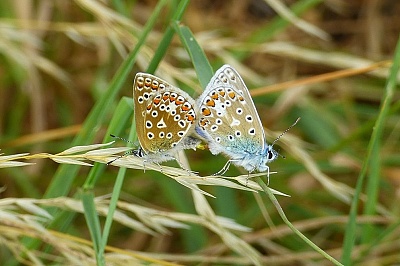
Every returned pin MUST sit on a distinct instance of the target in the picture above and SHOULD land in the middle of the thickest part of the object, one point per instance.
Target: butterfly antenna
(284, 132)
(138, 152)
(126, 140)
(279, 154)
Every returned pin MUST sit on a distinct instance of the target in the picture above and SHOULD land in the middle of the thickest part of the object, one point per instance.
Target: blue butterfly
(229, 122)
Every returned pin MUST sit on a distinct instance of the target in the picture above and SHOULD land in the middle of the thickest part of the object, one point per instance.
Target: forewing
(228, 75)
(228, 116)
(145, 86)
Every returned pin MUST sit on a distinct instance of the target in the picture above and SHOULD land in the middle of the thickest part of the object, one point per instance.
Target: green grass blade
(200, 62)
(372, 151)
(93, 223)
(125, 107)
(204, 74)
(65, 175)
(92, 219)
(290, 225)
(195, 238)
(167, 38)
(118, 123)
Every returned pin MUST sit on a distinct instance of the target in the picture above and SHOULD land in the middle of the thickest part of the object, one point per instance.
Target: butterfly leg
(144, 165)
(248, 174)
(161, 169)
(224, 169)
(247, 179)
(183, 167)
(267, 176)
(141, 154)
(190, 172)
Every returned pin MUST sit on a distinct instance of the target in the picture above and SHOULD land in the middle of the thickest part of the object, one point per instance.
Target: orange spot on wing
(215, 96)
(232, 95)
(185, 108)
(206, 111)
(210, 103)
(154, 86)
(190, 118)
(204, 122)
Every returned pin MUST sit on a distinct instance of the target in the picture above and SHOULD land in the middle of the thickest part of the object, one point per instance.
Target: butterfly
(165, 119)
(229, 123)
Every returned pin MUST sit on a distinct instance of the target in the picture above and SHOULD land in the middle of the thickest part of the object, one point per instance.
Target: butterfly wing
(228, 119)
(227, 75)
(164, 114)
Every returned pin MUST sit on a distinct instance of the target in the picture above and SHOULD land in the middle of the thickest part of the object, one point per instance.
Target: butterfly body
(165, 118)
(229, 122)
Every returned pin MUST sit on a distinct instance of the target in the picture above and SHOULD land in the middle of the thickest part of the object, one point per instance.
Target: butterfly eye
(271, 153)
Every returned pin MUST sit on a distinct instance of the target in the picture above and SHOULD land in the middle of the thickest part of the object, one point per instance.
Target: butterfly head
(270, 154)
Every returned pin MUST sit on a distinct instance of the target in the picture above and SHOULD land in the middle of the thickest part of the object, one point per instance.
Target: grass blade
(372, 151)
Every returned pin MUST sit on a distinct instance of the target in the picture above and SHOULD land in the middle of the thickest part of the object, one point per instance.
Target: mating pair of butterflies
(224, 116)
